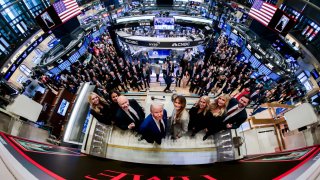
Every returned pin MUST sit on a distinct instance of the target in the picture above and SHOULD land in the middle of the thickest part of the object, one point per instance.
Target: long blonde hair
(215, 105)
(94, 107)
(207, 99)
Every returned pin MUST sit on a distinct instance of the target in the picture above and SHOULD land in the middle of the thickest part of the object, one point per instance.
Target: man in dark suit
(236, 112)
(154, 127)
(168, 80)
(130, 115)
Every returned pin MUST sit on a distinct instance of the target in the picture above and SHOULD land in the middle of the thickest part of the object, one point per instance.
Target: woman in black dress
(114, 106)
(199, 115)
(99, 108)
(218, 112)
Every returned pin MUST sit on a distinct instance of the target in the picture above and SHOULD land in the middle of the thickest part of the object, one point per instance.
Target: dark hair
(111, 92)
(248, 97)
(183, 102)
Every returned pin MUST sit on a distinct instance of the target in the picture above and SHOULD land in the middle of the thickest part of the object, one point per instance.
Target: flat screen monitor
(234, 37)
(55, 70)
(48, 19)
(247, 53)
(264, 70)
(82, 50)
(255, 63)
(159, 53)
(240, 41)
(63, 107)
(64, 65)
(164, 23)
(74, 57)
(274, 76)
(313, 98)
(95, 34)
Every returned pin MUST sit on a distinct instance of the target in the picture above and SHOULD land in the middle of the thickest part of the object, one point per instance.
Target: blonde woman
(218, 111)
(199, 115)
(179, 117)
(99, 108)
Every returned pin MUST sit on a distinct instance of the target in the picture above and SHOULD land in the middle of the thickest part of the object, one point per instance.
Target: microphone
(153, 98)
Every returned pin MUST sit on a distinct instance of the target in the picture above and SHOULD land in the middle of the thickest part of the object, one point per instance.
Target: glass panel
(20, 28)
(4, 42)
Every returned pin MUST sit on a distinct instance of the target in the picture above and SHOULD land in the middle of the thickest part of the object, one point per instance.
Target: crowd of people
(222, 113)
(222, 75)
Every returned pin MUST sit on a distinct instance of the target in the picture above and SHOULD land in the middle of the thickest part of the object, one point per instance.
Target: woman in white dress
(179, 118)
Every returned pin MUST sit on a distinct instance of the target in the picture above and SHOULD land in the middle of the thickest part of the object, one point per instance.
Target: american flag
(66, 9)
(262, 11)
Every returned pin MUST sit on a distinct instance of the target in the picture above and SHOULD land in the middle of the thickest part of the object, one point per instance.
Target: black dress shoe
(205, 138)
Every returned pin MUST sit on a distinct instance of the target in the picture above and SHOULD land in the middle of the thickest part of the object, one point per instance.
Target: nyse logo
(180, 44)
(145, 24)
(154, 44)
(131, 41)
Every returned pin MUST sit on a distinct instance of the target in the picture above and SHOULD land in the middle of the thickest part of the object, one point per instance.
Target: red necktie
(232, 111)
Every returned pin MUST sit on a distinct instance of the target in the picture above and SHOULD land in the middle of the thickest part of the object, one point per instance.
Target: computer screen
(63, 107)
(74, 57)
(274, 76)
(95, 34)
(263, 69)
(234, 37)
(159, 53)
(64, 65)
(247, 53)
(255, 63)
(55, 70)
(164, 23)
(82, 50)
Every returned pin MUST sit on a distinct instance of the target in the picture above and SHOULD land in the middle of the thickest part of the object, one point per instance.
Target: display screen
(55, 70)
(263, 69)
(63, 107)
(64, 65)
(95, 34)
(164, 23)
(159, 53)
(234, 37)
(255, 63)
(74, 57)
(48, 19)
(247, 53)
(228, 29)
(102, 29)
(240, 41)
(281, 23)
(82, 50)
(274, 76)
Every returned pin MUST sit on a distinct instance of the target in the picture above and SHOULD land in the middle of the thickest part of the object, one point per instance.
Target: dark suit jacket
(237, 119)
(103, 116)
(150, 130)
(123, 120)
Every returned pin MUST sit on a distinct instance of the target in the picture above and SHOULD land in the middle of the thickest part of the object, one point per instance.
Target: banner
(163, 44)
